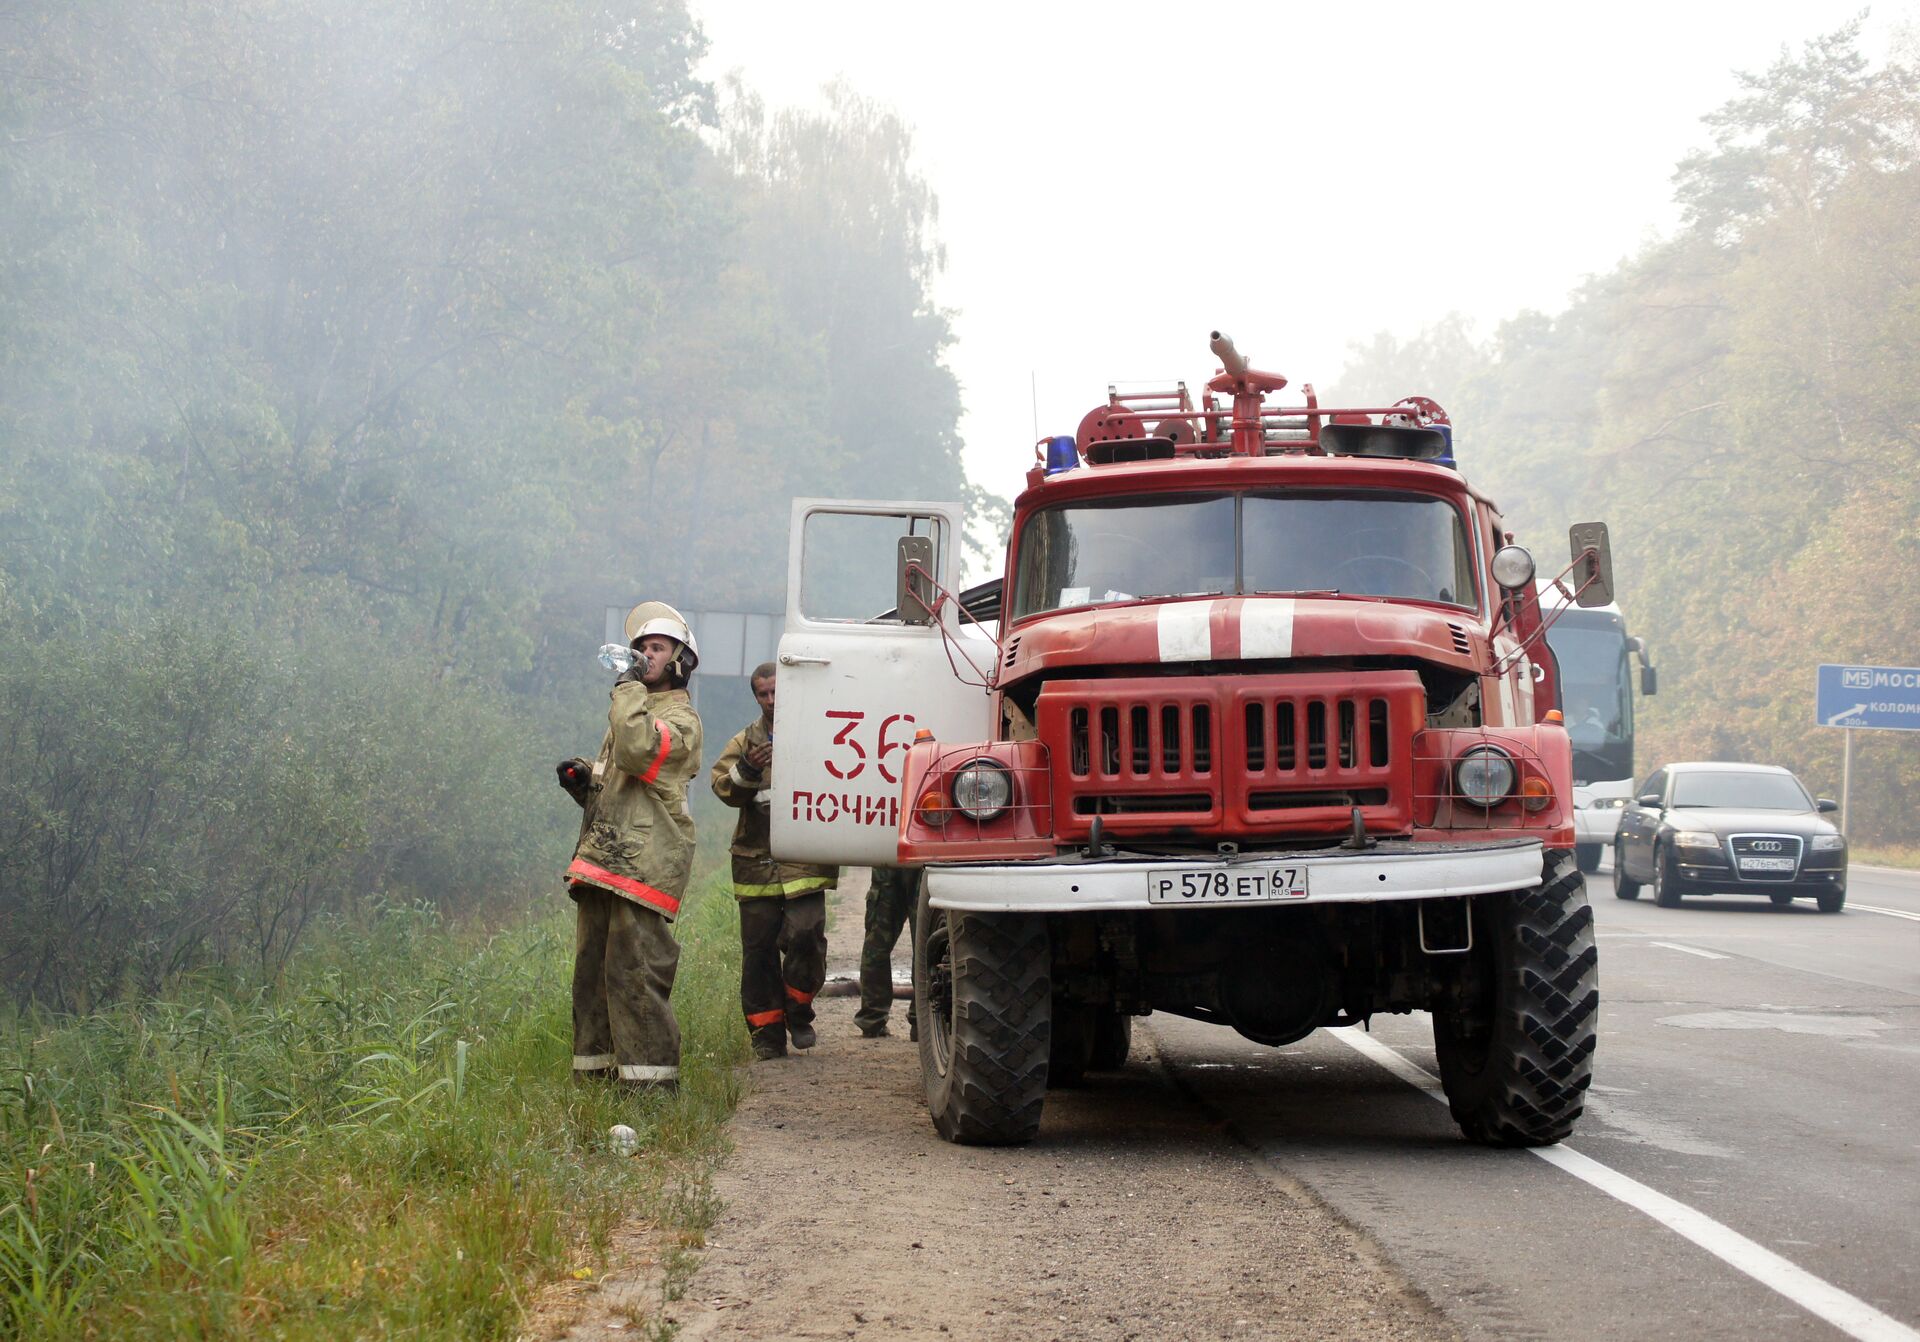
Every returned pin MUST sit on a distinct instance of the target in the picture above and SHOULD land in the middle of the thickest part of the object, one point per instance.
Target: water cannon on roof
(1249, 387)
(1233, 418)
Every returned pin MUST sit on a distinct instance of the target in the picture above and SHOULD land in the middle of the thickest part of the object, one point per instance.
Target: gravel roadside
(1135, 1215)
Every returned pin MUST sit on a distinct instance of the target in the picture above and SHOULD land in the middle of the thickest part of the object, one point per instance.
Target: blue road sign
(1868, 696)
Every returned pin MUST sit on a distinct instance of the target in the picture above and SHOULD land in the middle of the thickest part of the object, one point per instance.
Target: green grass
(1891, 856)
(386, 1142)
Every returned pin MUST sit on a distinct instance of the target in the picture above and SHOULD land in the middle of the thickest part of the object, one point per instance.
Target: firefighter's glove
(755, 759)
(576, 777)
(633, 674)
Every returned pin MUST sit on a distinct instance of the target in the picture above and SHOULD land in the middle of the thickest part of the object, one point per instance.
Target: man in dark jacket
(783, 905)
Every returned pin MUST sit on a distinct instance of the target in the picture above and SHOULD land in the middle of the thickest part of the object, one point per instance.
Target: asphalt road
(1760, 1067)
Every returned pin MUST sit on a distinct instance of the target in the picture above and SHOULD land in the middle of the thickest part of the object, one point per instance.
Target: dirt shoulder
(1135, 1215)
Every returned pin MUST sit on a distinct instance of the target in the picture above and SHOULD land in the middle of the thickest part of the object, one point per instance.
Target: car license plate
(1766, 864)
(1227, 885)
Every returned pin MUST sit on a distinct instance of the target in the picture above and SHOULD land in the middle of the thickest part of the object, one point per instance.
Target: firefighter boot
(770, 1042)
(803, 962)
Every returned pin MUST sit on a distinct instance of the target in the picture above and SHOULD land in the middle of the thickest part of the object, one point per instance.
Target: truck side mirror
(913, 586)
(1649, 680)
(1592, 574)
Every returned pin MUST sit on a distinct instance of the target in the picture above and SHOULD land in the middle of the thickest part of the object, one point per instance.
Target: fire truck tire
(1587, 855)
(1624, 886)
(1516, 1069)
(1112, 1041)
(983, 1000)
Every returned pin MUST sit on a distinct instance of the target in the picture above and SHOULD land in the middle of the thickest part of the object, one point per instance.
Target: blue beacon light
(1062, 454)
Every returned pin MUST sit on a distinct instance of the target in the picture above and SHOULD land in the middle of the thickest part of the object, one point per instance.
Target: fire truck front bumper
(1391, 869)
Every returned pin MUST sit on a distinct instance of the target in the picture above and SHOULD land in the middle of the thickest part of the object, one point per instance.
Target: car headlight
(1690, 838)
(1484, 775)
(1609, 804)
(982, 789)
(1827, 843)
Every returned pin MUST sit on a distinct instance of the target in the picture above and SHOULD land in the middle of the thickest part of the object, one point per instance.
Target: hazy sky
(1117, 179)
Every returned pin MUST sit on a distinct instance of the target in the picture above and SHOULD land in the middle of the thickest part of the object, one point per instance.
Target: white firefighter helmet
(657, 617)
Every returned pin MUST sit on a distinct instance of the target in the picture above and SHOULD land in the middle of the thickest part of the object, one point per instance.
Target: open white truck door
(856, 684)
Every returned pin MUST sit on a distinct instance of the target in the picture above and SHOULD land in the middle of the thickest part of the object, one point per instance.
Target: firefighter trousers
(624, 960)
(890, 904)
(783, 962)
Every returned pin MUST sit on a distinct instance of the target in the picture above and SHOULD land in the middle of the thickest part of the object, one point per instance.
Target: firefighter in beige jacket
(783, 905)
(633, 859)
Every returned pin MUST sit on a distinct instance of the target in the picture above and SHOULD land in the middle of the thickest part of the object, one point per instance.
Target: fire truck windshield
(1356, 543)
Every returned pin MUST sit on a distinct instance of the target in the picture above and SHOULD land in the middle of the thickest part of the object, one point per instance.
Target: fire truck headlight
(1512, 567)
(982, 789)
(1484, 775)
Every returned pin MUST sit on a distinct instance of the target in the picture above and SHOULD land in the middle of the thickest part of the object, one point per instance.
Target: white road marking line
(1891, 913)
(1850, 1314)
(1691, 950)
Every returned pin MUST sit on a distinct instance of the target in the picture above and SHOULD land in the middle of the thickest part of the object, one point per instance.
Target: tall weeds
(388, 1141)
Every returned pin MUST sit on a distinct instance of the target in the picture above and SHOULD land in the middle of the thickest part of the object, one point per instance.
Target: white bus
(1596, 657)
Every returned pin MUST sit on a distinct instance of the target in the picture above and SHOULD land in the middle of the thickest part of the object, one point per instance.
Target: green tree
(353, 357)
(1737, 402)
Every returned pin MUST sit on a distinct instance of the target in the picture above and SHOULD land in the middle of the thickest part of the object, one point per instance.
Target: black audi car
(1737, 829)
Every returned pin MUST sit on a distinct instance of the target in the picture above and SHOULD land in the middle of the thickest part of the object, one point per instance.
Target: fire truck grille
(1314, 732)
(1147, 803)
(1140, 740)
(1301, 801)
(1234, 756)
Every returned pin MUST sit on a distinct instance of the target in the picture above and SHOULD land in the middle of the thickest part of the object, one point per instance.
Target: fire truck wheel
(1624, 886)
(1516, 1058)
(983, 1000)
(1071, 1052)
(1587, 855)
(1112, 1041)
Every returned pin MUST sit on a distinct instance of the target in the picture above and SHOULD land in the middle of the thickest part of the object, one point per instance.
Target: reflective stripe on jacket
(756, 873)
(636, 837)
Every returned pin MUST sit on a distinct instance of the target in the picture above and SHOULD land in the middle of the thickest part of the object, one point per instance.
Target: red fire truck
(1258, 732)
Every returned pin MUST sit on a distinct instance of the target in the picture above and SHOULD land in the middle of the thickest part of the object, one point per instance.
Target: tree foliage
(1738, 402)
(353, 357)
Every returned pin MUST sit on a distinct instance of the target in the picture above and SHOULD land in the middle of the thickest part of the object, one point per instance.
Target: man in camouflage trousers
(634, 856)
(783, 905)
(890, 905)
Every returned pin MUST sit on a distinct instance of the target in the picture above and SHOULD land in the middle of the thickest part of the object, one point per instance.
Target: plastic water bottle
(616, 657)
